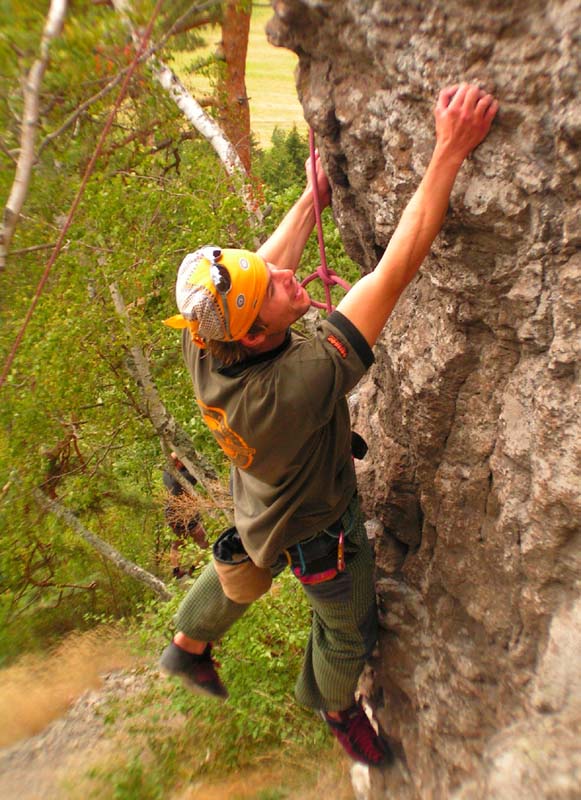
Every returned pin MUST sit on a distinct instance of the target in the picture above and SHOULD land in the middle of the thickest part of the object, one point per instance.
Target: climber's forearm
(420, 223)
(285, 246)
(464, 114)
(372, 299)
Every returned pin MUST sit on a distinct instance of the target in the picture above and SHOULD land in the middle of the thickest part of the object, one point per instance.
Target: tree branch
(8, 153)
(29, 125)
(211, 131)
(171, 434)
(33, 249)
(72, 118)
(105, 549)
(184, 22)
(183, 25)
(201, 121)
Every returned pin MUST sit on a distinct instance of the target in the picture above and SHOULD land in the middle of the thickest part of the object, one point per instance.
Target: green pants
(344, 623)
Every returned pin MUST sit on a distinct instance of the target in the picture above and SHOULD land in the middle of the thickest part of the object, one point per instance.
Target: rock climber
(275, 401)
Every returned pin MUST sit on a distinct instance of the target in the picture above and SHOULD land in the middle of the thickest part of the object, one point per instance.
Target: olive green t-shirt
(283, 421)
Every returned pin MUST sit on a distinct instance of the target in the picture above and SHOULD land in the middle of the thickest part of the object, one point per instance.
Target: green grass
(260, 744)
(270, 82)
(269, 79)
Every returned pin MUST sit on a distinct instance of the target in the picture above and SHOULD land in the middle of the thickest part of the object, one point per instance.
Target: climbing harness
(320, 558)
(328, 276)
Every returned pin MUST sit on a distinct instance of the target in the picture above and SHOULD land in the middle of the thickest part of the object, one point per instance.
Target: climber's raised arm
(463, 115)
(285, 246)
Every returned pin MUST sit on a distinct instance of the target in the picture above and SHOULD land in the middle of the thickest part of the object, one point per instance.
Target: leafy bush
(261, 657)
(71, 420)
(283, 165)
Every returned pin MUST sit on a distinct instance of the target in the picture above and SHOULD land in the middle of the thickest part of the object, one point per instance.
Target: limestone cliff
(472, 409)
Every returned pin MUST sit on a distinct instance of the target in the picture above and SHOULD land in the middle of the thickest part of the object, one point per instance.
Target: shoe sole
(194, 688)
(387, 760)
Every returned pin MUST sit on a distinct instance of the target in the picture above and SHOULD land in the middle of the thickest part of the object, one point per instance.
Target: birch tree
(29, 127)
(102, 547)
(196, 116)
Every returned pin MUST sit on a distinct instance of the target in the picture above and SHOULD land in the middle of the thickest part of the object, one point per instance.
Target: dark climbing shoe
(198, 673)
(356, 735)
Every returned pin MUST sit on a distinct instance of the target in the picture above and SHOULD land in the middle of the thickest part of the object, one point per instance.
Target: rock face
(472, 409)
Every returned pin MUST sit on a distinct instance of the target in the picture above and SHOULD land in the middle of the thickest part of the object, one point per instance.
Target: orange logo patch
(338, 345)
(239, 453)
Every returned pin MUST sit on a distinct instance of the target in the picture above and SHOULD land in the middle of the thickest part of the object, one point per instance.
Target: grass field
(269, 79)
(270, 82)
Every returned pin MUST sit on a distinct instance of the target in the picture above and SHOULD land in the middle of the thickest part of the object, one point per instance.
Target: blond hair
(230, 353)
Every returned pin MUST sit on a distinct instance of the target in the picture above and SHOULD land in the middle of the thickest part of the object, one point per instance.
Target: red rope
(328, 276)
(91, 165)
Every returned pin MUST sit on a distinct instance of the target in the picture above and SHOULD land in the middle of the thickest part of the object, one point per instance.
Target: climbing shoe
(356, 735)
(197, 672)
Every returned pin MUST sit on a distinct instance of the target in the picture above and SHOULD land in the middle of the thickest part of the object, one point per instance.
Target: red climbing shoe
(198, 673)
(358, 738)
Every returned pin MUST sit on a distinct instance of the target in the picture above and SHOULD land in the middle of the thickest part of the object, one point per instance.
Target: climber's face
(285, 301)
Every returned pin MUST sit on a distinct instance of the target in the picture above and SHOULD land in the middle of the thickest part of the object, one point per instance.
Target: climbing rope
(328, 276)
(88, 172)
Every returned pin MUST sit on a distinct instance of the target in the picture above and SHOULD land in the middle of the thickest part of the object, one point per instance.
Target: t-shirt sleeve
(352, 335)
(330, 365)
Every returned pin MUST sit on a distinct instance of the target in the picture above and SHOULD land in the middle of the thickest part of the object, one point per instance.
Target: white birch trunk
(105, 549)
(202, 122)
(210, 130)
(52, 28)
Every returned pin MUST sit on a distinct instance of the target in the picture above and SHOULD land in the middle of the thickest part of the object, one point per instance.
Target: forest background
(81, 451)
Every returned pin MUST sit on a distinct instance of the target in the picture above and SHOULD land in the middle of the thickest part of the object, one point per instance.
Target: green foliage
(260, 659)
(283, 165)
(69, 414)
(70, 417)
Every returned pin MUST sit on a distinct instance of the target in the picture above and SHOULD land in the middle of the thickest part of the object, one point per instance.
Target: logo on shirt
(239, 453)
(338, 345)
